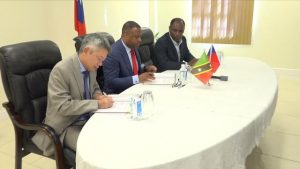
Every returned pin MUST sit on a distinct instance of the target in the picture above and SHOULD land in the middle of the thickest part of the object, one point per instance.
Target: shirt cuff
(135, 79)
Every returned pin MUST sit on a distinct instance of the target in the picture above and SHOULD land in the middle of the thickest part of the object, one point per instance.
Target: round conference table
(194, 127)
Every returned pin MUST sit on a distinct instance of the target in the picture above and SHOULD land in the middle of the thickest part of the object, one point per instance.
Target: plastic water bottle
(136, 107)
(183, 74)
(189, 72)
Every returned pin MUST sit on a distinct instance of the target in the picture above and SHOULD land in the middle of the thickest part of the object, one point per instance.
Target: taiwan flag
(202, 69)
(79, 17)
(213, 58)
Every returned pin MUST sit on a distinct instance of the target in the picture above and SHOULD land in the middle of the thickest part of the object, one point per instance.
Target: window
(222, 21)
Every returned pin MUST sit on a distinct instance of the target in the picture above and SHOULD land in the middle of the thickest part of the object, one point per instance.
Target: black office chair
(100, 76)
(146, 48)
(25, 70)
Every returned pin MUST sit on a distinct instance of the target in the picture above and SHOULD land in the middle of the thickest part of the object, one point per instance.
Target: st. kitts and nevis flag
(202, 69)
(79, 18)
(213, 58)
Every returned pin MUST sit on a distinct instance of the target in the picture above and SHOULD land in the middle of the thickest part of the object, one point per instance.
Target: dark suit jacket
(166, 55)
(117, 69)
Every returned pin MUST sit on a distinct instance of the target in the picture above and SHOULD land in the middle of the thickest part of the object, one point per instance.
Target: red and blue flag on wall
(79, 17)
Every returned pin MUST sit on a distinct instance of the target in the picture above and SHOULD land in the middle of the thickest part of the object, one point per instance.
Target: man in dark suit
(123, 67)
(171, 49)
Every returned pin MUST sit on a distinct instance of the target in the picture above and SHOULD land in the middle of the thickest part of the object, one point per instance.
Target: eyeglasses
(100, 58)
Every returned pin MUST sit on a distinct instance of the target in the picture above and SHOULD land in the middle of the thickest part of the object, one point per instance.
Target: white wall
(21, 21)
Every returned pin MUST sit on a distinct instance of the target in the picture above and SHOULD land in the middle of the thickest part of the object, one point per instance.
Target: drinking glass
(148, 104)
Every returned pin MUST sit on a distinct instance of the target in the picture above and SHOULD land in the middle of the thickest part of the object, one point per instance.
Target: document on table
(121, 105)
(162, 79)
(120, 98)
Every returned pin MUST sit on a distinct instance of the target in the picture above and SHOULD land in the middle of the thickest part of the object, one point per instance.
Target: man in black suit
(171, 49)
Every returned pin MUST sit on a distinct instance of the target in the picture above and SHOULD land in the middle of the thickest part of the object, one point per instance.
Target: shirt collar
(126, 47)
(82, 68)
(174, 42)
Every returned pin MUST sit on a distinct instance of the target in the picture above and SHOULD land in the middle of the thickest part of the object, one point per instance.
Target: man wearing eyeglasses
(74, 94)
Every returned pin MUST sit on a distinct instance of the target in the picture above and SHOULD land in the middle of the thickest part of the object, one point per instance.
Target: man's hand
(98, 96)
(151, 68)
(146, 77)
(104, 102)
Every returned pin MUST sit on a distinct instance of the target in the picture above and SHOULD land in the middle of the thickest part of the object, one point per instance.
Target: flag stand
(209, 84)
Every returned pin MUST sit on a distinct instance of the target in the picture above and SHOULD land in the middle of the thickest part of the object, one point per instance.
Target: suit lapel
(125, 57)
(77, 75)
(175, 54)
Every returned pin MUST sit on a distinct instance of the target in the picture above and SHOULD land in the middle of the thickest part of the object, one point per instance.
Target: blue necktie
(86, 94)
(86, 91)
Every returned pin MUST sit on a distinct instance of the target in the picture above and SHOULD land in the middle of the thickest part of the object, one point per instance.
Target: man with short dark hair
(171, 49)
(123, 68)
(73, 93)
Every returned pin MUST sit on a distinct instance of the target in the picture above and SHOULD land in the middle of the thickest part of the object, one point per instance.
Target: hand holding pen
(104, 101)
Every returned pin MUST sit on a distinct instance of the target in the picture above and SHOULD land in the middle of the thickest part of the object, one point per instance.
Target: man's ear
(87, 50)
(126, 34)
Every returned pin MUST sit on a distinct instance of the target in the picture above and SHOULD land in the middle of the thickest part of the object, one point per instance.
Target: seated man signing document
(73, 94)
(122, 68)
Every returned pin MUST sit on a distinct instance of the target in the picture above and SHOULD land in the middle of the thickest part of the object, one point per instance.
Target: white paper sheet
(121, 105)
(118, 107)
(162, 79)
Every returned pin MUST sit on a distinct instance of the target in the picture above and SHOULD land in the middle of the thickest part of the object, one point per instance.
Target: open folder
(121, 105)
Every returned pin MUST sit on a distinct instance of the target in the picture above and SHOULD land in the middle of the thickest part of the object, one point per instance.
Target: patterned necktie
(134, 62)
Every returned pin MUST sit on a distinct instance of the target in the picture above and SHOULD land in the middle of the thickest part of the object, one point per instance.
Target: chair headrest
(26, 57)
(20, 59)
(147, 36)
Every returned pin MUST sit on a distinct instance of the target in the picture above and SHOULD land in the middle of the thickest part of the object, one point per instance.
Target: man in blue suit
(171, 49)
(123, 68)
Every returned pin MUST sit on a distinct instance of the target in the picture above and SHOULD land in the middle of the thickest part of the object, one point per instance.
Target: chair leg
(19, 151)
(18, 162)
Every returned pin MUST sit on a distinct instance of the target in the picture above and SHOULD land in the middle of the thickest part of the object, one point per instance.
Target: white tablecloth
(194, 127)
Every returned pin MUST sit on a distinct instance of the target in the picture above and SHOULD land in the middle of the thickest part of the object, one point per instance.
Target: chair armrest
(18, 121)
(46, 129)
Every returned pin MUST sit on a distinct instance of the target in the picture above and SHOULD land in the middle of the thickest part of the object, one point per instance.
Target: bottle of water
(136, 107)
(189, 72)
(183, 74)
